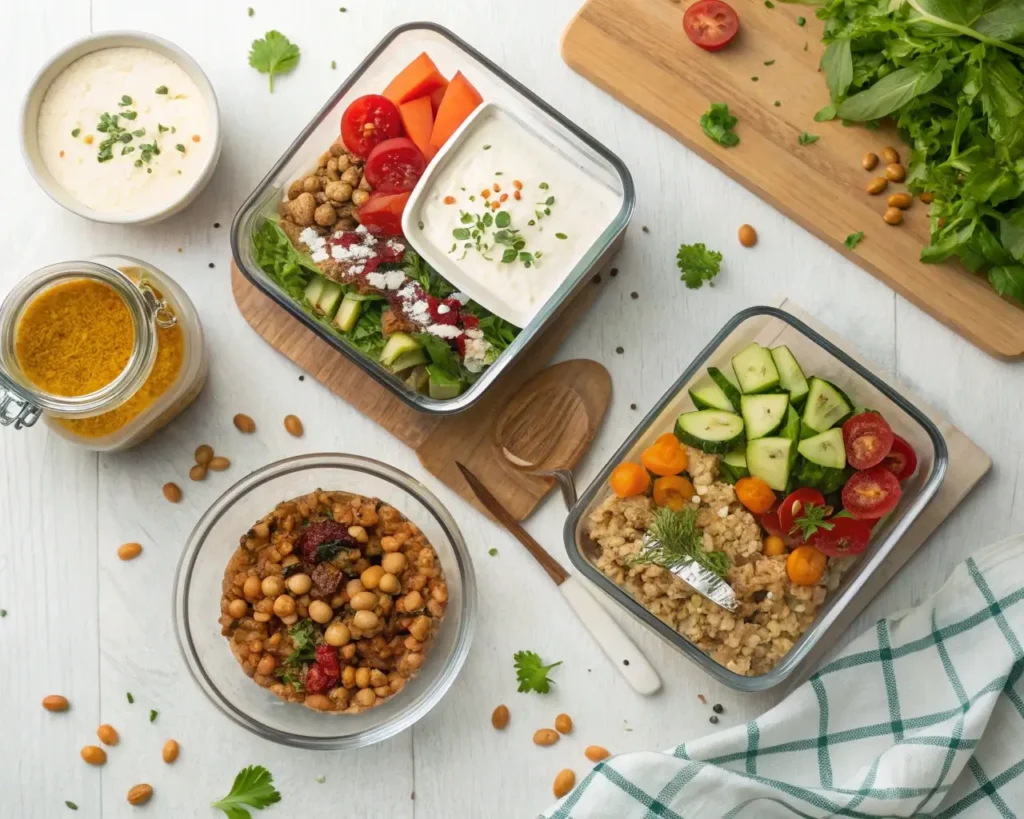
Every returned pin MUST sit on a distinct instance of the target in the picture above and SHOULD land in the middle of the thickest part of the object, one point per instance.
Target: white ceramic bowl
(49, 72)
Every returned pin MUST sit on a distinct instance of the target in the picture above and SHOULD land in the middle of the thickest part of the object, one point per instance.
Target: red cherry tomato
(711, 24)
(846, 537)
(901, 460)
(770, 523)
(382, 213)
(394, 166)
(872, 493)
(868, 439)
(368, 121)
(794, 504)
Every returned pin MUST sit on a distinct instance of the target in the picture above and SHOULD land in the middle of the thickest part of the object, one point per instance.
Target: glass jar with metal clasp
(106, 351)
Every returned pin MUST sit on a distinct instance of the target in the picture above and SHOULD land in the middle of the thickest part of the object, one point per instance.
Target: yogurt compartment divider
(391, 55)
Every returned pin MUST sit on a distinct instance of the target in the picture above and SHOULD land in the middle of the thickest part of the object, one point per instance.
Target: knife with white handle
(614, 642)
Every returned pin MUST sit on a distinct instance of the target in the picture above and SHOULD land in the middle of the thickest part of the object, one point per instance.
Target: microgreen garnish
(125, 100)
(561, 236)
(70, 804)
(854, 239)
(152, 715)
(492, 552)
(801, 21)
(487, 147)
(808, 139)
(543, 186)
(76, 132)
(130, 115)
(179, 147)
(769, 62)
(162, 128)
(812, 518)
(131, 699)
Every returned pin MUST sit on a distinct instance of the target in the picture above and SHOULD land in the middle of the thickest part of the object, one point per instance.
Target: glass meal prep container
(166, 358)
(450, 54)
(772, 327)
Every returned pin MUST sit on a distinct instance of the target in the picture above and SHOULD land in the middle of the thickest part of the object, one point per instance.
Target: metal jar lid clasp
(163, 314)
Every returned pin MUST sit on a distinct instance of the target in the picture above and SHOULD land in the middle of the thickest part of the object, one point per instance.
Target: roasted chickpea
(371, 577)
(252, 588)
(390, 544)
(237, 608)
(299, 583)
(284, 606)
(353, 587)
(302, 209)
(389, 584)
(366, 697)
(394, 563)
(359, 198)
(420, 627)
(272, 586)
(363, 601)
(351, 176)
(320, 612)
(337, 634)
(266, 665)
(362, 677)
(365, 620)
(413, 601)
(359, 533)
(325, 215)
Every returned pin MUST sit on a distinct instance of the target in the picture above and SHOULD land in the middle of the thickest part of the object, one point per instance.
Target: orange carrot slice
(460, 100)
(418, 79)
(418, 121)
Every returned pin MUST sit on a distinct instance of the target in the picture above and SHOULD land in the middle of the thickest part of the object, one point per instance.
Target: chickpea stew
(332, 601)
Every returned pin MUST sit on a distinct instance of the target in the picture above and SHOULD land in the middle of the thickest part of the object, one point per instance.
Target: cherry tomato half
(711, 24)
(793, 506)
(901, 460)
(368, 121)
(382, 213)
(868, 439)
(872, 493)
(770, 523)
(846, 537)
(394, 166)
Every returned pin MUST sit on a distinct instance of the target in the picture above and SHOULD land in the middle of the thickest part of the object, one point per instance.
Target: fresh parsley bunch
(274, 54)
(532, 673)
(254, 787)
(697, 264)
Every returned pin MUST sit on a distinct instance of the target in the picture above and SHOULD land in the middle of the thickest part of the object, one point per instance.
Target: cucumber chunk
(826, 449)
(768, 459)
(731, 390)
(763, 415)
(791, 428)
(826, 406)
(418, 379)
(714, 431)
(706, 394)
(329, 298)
(442, 386)
(364, 296)
(791, 377)
(413, 358)
(397, 344)
(733, 466)
(348, 314)
(314, 289)
(755, 370)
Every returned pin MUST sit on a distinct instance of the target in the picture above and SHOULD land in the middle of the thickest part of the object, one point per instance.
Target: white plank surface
(84, 624)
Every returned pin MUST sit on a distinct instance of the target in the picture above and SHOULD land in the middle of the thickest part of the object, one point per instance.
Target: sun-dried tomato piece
(326, 579)
(469, 321)
(327, 659)
(319, 681)
(316, 534)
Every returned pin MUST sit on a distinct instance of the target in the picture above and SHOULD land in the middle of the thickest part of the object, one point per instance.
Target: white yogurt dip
(510, 216)
(124, 130)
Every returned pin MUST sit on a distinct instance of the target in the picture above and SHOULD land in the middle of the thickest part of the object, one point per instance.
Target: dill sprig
(673, 536)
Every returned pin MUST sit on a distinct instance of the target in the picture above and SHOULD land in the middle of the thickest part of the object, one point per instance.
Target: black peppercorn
(211, 264)
(717, 708)
(614, 272)
(619, 350)
(634, 295)
(713, 720)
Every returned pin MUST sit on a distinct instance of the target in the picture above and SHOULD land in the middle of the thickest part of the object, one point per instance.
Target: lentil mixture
(773, 612)
(332, 601)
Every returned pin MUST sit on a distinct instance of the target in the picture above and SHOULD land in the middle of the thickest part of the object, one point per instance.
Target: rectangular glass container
(772, 327)
(450, 54)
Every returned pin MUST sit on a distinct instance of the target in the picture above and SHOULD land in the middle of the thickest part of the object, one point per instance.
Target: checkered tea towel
(923, 715)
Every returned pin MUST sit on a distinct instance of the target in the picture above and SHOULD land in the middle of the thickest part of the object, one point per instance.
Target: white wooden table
(82, 623)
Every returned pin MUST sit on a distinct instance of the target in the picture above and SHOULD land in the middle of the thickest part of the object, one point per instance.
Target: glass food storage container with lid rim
(450, 53)
(154, 303)
(817, 355)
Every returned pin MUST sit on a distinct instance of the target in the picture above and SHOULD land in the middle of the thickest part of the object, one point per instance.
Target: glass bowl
(197, 595)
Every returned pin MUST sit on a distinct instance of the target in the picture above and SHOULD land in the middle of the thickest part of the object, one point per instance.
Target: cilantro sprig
(274, 54)
(532, 673)
(697, 264)
(812, 518)
(253, 787)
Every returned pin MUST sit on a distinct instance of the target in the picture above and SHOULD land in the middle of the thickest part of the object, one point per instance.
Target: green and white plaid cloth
(923, 715)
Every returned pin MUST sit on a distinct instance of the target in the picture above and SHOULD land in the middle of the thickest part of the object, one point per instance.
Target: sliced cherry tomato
(368, 121)
(711, 24)
(382, 213)
(901, 460)
(872, 493)
(793, 506)
(868, 439)
(770, 523)
(394, 166)
(846, 537)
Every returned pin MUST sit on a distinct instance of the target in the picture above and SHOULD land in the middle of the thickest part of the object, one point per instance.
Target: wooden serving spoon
(548, 426)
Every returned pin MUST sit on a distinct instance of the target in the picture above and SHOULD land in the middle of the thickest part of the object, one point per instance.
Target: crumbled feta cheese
(393, 279)
(770, 596)
(316, 243)
(444, 330)
(443, 308)
(362, 229)
(375, 280)
(419, 311)
(352, 253)
(356, 269)
(695, 499)
(723, 512)
(477, 348)
(702, 490)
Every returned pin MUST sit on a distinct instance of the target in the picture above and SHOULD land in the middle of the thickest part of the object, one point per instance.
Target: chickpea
(545, 736)
(237, 608)
(272, 586)
(94, 755)
(344, 161)
(377, 678)
(348, 677)
(440, 593)
(299, 583)
(365, 620)
(338, 191)
(170, 751)
(255, 646)
(351, 176)
(266, 665)
(500, 717)
(325, 215)
(302, 209)
(363, 677)
(260, 530)
(416, 583)
(414, 660)
(252, 588)
(108, 734)
(420, 627)
(337, 634)
(389, 584)
(318, 702)
(359, 198)
(294, 189)
(412, 644)
(364, 601)
(359, 533)
(747, 236)
(890, 155)
(261, 617)
(320, 611)
(563, 723)
(290, 619)
(877, 185)
(284, 605)
(900, 200)
(413, 601)
(311, 184)
(895, 172)
(366, 697)
(394, 563)
(893, 216)
(353, 587)
(291, 560)
(870, 161)
(371, 577)
(274, 641)
(390, 544)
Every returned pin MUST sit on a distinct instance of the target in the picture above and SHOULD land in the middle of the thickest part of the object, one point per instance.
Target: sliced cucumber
(364, 296)
(329, 298)
(791, 428)
(397, 344)
(755, 370)
(442, 386)
(714, 431)
(763, 415)
(418, 379)
(706, 394)
(768, 459)
(825, 449)
(731, 390)
(348, 314)
(825, 406)
(733, 466)
(791, 377)
(314, 289)
(413, 358)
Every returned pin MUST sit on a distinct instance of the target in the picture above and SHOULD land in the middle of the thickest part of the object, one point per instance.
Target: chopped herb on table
(3, 613)
(697, 264)
(131, 699)
(808, 139)
(274, 54)
(152, 715)
(718, 123)
(769, 62)
(768, 4)
(854, 239)
(253, 787)
(161, 89)
(70, 804)
(674, 537)
(251, 11)
(532, 673)
(492, 552)
(801, 21)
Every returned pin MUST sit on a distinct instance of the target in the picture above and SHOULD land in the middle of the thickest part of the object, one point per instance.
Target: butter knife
(625, 656)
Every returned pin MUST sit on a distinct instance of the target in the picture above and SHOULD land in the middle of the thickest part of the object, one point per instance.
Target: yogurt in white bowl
(121, 127)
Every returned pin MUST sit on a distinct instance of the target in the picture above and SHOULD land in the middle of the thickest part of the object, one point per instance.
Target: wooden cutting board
(440, 441)
(636, 50)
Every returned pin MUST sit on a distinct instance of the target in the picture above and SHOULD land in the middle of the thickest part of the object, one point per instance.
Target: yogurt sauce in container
(506, 216)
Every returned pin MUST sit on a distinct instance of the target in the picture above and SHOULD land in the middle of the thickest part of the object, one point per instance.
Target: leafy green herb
(801, 21)
(502, 219)
(768, 4)
(254, 787)
(812, 518)
(697, 264)
(125, 100)
(854, 239)
(274, 54)
(543, 186)
(76, 132)
(826, 114)
(3, 613)
(152, 715)
(334, 64)
(329, 550)
(769, 62)
(487, 147)
(561, 236)
(303, 637)
(808, 139)
(675, 537)
(179, 147)
(492, 552)
(276, 255)
(70, 804)
(777, 103)
(532, 673)
(754, 79)
(162, 128)
(162, 89)
(131, 699)
(718, 123)
(250, 11)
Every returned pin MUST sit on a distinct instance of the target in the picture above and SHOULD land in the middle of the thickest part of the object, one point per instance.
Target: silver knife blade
(703, 581)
